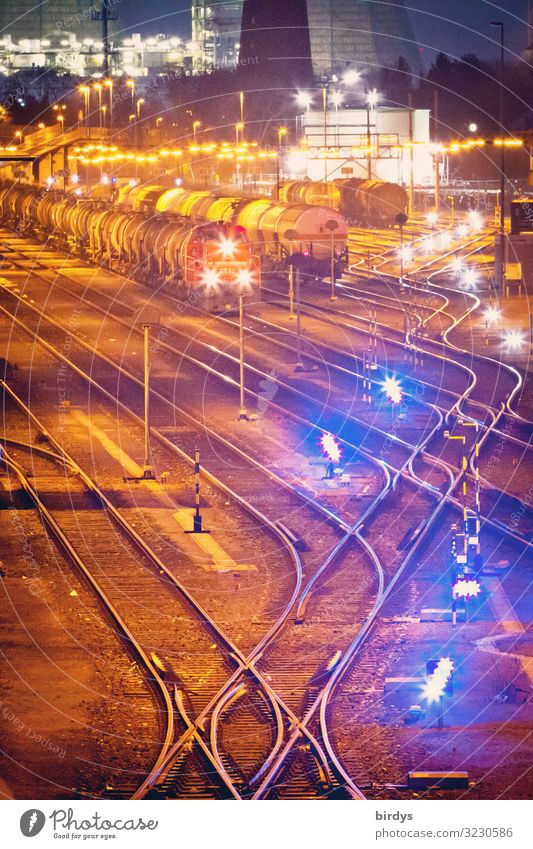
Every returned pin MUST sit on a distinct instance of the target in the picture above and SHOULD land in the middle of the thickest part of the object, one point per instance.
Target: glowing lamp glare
(392, 390)
(330, 447)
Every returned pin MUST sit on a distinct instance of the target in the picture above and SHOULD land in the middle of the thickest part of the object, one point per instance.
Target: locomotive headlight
(227, 247)
(210, 278)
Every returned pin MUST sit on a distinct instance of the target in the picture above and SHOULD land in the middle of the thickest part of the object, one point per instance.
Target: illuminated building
(38, 21)
(368, 143)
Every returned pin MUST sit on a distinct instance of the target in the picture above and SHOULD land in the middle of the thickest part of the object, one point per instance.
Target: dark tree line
(458, 92)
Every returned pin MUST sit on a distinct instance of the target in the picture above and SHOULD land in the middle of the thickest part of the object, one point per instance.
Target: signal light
(393, 390)
(492, 315)
(465, 588)
(475, 220)
(513, 340)
(330, 447)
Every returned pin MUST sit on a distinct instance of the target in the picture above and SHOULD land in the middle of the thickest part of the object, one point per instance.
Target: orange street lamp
(109, 85)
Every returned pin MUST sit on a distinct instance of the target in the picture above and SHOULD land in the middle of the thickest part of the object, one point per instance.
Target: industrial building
(216, 32)
(21, 20)
(371, 34)
(329, 34)
(289, 43)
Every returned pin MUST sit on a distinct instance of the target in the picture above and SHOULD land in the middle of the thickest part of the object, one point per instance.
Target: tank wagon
(208, 263)
(372, 203)
(275, 230)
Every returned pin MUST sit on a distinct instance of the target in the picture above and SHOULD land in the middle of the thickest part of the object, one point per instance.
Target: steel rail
(428, 487)
(233, 652)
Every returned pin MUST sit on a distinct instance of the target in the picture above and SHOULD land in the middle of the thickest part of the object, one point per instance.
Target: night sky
(454, 26)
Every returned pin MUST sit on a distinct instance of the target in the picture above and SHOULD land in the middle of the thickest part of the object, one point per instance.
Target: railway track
(304, 770)
(383, 435)
(292, 684)
(298, 692)
(48, 471)
(129, 578)
(365, 725)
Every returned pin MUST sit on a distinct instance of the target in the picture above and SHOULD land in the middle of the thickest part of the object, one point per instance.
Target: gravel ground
(77, 716)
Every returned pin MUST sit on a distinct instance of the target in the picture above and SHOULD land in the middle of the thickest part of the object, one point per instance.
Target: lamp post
(394, 393)
(401, 219)
(463, 466)
(451, 198)
(281, 132)
(244, 280)
(241, 110)
(104, 116)
(98, 90)
(242, 411)
(436, 177)
(140, 102)
(131, 85)
(332, 225)
(147, 468)
(299, 364)
(501, 264)
(411, 158)
(195, 125)
(147, 317)
(290, 236)
(325, 115)
(238, 127)
(305, 100)
(371, 102)
(336, 99)
(85, 92)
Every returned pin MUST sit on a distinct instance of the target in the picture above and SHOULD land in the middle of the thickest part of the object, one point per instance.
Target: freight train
(369, 203)
(202, 247)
